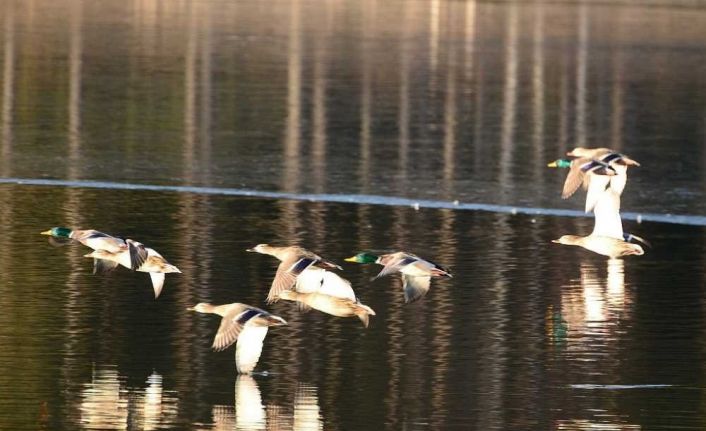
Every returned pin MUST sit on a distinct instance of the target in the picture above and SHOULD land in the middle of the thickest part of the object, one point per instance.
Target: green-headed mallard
(597, 169)
(416, 272)
(607, 246)
(139, 258)
(341, 307)
(90, 238)
(242, 323)
(94, 239)
(294, 260)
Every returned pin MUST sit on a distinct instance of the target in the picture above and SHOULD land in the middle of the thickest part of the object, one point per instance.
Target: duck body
(605, 155)
(604, 245)
(416, 272)
(90, 238)
(244, 325)
(294, 261)
(139, 258)
(335, 306)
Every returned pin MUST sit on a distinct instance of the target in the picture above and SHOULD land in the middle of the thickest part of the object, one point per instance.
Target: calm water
(440, 100)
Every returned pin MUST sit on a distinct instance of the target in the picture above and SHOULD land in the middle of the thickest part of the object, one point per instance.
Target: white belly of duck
(328, 304)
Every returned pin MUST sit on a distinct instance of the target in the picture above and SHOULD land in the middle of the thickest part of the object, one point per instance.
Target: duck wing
(574, 178)
(138, 254)
(286, 276)
(597, 184)
(317, 280)
(157, 282)
(414, 287)
(607, 221)
(394, 263)
(101, 241)
(249, 347)
(101, 266)
(232, 324)
(327, 264)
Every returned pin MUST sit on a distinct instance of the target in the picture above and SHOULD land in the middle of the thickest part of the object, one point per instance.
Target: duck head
(363, 258)
(560, 163)
(58, 232)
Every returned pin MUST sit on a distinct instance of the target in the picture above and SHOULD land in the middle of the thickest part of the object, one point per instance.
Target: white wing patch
(316, 280)
(596, 186)
(607, 216)
(157, 283)
(249, 347)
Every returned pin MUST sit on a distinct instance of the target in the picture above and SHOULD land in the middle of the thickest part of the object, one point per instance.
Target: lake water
(204, 128)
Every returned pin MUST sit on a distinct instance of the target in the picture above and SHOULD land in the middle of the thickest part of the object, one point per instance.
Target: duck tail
(169, 268)
(364, 318)
(273, 320)
(364, 312)
(636, 249)
(440, 271)
(327, 264)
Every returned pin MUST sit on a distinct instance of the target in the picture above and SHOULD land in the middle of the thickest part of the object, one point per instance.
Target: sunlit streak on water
(106, 403)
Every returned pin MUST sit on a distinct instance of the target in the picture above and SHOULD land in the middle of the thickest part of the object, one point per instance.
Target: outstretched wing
(317, 280)
(249, 347)
(102, 241)
(596, 187)
(231, 326)
(286, 276)
(394, 262)
(138, 254)
(414, 287)
(607, 215)
(157, 282)
(101, 266)
(573, 180)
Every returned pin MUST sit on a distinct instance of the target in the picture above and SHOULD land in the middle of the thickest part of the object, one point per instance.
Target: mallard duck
(139, 258)
(416, 272)
(93, 239)
(603, 154)
(294, 261)
(617, 161)
(607, 246)
(597, 169)
(90, 238)
(242, 323)
(341, 307)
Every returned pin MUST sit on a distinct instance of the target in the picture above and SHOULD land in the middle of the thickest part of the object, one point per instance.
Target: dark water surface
(436, 100)
(527, 335)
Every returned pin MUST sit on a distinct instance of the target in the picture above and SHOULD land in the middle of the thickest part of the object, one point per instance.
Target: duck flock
(309, 280)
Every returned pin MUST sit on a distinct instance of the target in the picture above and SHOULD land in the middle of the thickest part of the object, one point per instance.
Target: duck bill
(556, 241)
(46, 232)
(350, 259)
(251, 250)
(552, 164)
(190, 308)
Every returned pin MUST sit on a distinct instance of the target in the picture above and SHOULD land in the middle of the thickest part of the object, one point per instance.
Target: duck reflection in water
(107, 404)
(249, 412)
(595, 303)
